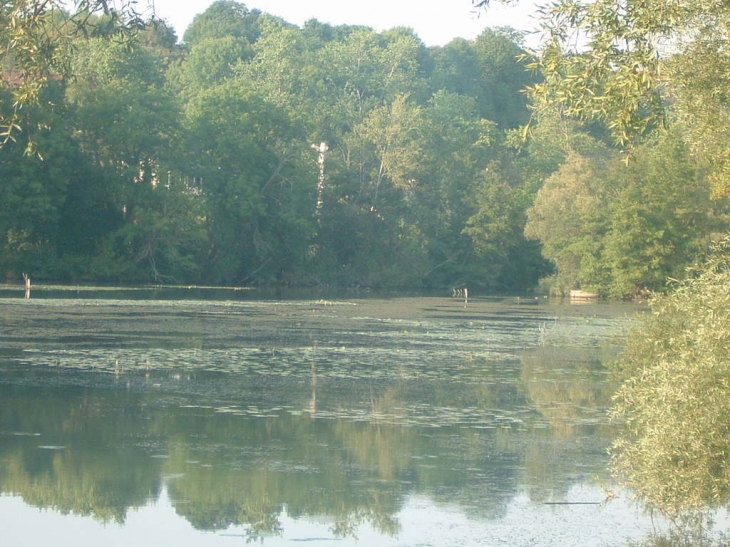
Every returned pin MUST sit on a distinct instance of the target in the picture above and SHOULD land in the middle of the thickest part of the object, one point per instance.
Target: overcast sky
(436, 22)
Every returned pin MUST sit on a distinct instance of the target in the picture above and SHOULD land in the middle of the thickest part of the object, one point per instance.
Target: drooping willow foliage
(35, 38)
(675, 402)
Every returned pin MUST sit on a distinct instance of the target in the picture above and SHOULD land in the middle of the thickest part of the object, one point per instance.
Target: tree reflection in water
(308, 410)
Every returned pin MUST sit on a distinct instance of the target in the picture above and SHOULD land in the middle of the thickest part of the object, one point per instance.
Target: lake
(217, 417)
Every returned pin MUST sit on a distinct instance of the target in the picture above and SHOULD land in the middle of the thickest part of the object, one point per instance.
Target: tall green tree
(373, 176)
(224, 18)
(209, 62)
(124, 123)
(661, 217)
(491, 69)
(34, 191)
(458, 145)
(239, 143)
(285, 71)
(568, 219)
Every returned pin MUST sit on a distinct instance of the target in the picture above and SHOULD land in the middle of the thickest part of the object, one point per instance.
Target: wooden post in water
(461, 292)
(27, 285)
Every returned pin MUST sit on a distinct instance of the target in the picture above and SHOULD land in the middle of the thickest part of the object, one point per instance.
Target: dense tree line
(199, 162)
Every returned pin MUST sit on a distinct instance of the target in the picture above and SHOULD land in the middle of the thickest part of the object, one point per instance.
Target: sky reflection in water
(423, 523)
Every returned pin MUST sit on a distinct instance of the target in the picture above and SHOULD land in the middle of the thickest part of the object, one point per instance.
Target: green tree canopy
(567, 217)
(224, 18)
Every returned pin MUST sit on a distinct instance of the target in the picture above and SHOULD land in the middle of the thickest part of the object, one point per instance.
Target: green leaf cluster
(674, 403)
(36, 37)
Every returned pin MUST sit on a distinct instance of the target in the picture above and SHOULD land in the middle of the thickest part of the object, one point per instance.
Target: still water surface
(391, 421)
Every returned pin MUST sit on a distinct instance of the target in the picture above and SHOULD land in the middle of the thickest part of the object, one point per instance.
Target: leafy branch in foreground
(608, 60)
(35, 36)
(675, 448)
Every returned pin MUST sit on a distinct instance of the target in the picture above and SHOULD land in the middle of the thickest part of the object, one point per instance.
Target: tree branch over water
(35, 39)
